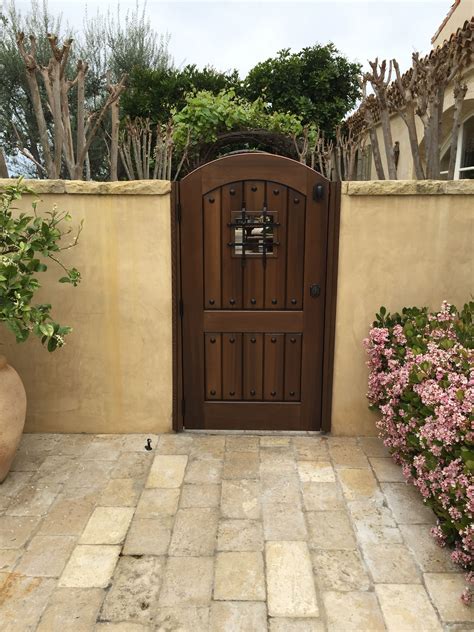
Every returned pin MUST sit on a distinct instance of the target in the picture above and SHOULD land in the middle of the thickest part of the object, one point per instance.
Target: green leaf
(46, 329)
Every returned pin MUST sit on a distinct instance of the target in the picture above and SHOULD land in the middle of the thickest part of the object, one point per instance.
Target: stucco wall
(115, 372)
(463, 11)
(401, 244)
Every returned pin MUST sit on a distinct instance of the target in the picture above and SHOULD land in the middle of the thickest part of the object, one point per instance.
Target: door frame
(178, 412)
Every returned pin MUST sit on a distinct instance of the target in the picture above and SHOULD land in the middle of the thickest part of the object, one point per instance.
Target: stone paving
(222, 533)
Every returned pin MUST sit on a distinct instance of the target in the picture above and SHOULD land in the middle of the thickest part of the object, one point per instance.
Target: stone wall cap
(409, 187)
(80, 187)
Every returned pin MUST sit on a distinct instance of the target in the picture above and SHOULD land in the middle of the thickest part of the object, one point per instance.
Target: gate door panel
(253, 262)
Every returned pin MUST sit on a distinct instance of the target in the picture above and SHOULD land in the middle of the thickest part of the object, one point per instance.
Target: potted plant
(27, 242)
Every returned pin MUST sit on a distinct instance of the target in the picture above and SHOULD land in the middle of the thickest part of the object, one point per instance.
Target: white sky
(239, 34)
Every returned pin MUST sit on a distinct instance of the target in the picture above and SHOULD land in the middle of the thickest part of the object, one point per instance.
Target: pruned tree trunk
(3, 165)
(379, 84)
(114, 140)
(31, 66)
(404, 102)
(58, 146)
(460, 90)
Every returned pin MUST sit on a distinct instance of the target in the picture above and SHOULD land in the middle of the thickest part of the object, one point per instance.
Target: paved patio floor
(221, 533)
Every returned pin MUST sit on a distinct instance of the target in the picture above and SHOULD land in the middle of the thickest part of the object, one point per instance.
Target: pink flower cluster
(422, 382)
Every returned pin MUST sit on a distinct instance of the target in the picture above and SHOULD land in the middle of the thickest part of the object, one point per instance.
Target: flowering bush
(422, 382)
(26, 242)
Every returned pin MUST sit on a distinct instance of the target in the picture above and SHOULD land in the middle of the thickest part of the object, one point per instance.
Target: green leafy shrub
(26, 242)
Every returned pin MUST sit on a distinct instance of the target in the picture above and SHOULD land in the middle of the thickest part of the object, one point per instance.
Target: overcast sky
(239, 34)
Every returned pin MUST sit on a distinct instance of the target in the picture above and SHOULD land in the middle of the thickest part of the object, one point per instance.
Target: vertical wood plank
(254, 194)
(293, 367)
(274, 365)
(232, 366)
(275, 271)
(253, 367)
(232, 271)
(213, 351)
(212, 249)
(295, 250)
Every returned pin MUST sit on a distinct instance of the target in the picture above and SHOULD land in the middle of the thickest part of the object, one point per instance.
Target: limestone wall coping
(79, 187)
(163, 187)
(409, 187)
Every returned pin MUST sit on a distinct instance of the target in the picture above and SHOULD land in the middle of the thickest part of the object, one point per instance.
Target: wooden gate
(253, 233)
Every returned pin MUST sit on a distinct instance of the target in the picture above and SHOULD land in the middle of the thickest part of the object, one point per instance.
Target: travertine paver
(240, 535)
(72, 609)
(235, 615)
(239, 576)
(90, 566)
(46, 556)
(107, 525)
(444, 589)
(194, 532)
(390, 563)
(135, 589)
(174, 619)
(236, 532)
(291, 591)
(187, 581)
(407, 607)
(354, 612)
(167, 471)
(340, 570)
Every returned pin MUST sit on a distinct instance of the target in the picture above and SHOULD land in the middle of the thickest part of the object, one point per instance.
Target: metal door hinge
(181, 308)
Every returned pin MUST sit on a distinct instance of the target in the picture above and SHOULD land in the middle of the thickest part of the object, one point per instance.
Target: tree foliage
(318, 84)
(157, 92)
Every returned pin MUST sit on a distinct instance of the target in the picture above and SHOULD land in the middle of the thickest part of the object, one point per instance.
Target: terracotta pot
(12, 414)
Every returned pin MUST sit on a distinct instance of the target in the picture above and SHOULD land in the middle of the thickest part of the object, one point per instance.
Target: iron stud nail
(231, 340)
(232, 393)
(293, 340)
(253, 340)
(213, 341)
(292, 393)
(211, 301)
(296, 200)
(211, 200)
(213, 392)
(232, 301)
(276, 191)
(254, 188)
(274, 339)
(252, 392)
(273, 393)
(274, 301)
(232, 191)
(253, 301)
(293, 301)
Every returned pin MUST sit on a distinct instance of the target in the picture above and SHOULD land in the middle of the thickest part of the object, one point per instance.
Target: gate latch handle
(315, 290)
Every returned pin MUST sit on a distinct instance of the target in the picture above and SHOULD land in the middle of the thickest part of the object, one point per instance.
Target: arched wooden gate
(256, 255)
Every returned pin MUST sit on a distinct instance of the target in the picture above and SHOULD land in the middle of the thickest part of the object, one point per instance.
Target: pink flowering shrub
(422, 382)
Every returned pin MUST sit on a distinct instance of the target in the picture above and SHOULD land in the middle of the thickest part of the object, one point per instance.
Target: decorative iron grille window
(254, 233)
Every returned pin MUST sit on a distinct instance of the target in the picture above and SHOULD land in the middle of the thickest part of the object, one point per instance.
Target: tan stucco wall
(463, 11)
(115, 372)
(401, 244)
